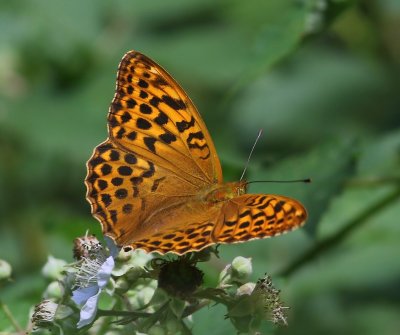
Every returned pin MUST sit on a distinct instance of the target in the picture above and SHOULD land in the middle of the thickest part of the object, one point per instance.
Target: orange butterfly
(156, 182)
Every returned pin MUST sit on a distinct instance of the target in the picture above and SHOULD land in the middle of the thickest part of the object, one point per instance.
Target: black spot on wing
(176, 104)
(127, 208)
(143, 83)
(116, 106)
(121, 193)
(132, 135)
(143, 123)
(145, 109)
(161, 119)
(278, 206)
(105, 169)
(245, 213)
(183, 125)
(156, 183)
(113, 122)
(106, 199)
(113, 215)
(131, 103)
(154, 101)
(160, 81)
(96, 161)
(167, 138)
(149, 142)
(265, 205)
(136, 180)
(117, 181)
(120, 133)
(244, 224)
(125, 170)
(150, 172)
(102, 184)
(199, 136)
(104, 147)
(130, 159)
(125, 117)
(114, 155)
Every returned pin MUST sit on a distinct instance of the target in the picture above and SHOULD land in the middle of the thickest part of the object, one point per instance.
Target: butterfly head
(223, 192)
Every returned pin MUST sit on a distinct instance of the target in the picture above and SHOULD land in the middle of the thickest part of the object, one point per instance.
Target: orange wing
(158, 154)
(153, 116)
(251, 216)
(149, 183)
(195, 225)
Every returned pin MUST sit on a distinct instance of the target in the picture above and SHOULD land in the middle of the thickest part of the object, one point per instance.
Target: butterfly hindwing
(194, 225)
(252, 216)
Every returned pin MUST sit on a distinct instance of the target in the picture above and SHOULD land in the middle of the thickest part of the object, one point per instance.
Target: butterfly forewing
(152, 115)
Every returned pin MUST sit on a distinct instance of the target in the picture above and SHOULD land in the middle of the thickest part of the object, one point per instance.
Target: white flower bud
(54, 268)
(53, 291)
(5, 270)
(241, 268)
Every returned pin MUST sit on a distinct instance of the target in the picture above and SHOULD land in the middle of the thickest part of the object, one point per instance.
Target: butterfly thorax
(226, 191)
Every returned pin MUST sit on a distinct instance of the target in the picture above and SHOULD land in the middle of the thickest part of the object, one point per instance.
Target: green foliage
(320, 77)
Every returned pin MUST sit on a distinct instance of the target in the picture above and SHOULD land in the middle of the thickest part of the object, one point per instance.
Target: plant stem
(10, 317)
(194, 308)
(329, 242)
(102, 312)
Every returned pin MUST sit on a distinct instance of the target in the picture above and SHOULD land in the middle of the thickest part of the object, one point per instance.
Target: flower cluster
(251, 302)
(117, 291)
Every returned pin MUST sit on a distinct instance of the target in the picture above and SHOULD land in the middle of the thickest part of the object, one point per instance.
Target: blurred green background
(320, 77)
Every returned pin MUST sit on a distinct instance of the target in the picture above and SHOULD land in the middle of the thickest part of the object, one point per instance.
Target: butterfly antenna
(306, 180)
(251, 152)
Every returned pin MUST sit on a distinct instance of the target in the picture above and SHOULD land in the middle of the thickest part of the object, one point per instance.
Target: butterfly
(156, 183)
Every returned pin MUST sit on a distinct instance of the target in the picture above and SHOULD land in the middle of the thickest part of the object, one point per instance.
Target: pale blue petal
(114, 250)
(105, 272)
(89, 310)
(81, 295)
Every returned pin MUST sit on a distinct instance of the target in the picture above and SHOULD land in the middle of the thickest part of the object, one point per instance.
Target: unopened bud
(5, 270)
(241, 268)
(54, 268)
(53, 291)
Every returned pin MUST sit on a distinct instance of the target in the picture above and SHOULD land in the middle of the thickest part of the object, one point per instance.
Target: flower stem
(194, 308)
(10, 317)
(102, 312)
